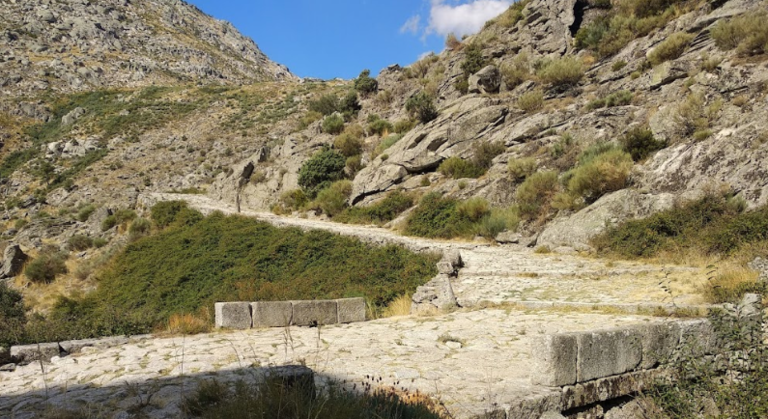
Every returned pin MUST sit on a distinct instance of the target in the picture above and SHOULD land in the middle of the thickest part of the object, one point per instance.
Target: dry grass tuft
(189, 324)
(400, 306)
(730, 283)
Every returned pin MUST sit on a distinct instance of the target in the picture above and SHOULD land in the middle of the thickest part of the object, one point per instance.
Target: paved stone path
(473, 359)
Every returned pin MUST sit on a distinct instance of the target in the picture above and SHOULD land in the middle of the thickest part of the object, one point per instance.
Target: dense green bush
(457, 168)
(322, 169)
(85, 212)
(437, 217)
(79, 242)
(404, 125)
(12, 316)
(289, 201)
(484, 152)
(381, 212)
(747, 33)
(381, 127)
(226, 258)
(46, 266)
(521, 168)
(163, 213)
(535, 194)
(713, 224)
(365, 84)
(120, 217)
(561, 72)
(671, 48)
(496, 221)
(333, 199)
(330, 103)
(620, 98)
(422, 107)
(531, 101)
(639, 142)
(516, 72)
(348, 145)
(333, 124)
(604, 173)
(140, 226)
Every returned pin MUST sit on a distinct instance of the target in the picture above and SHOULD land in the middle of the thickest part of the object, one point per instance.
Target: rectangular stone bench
(241, 315)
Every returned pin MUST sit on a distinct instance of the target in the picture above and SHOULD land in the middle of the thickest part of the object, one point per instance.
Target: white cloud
(463, 19)
(411, 25)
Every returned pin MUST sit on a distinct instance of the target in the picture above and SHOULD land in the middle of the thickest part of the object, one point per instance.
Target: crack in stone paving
(473, 360)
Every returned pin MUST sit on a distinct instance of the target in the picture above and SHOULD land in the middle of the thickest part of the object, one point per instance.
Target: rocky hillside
(567, 116)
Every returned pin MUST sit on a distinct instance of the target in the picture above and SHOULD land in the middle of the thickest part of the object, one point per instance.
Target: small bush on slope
(190, 265)
(381, 212)
(322, 169)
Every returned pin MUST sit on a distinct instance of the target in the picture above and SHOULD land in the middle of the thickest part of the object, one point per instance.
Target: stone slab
(698, 338)
(584, 394)
(314, 313)
(350, 310)
(660, 341)
(29, 353)
(272, 313)
(233, 315)
(606, 353)
(554, 360)
(74, 346)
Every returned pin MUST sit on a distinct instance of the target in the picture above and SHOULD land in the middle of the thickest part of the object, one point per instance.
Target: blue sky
(340, 38)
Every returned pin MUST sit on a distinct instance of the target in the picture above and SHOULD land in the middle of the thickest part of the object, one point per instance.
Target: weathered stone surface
(487, 80)
(576, 230)
(25, 354)
(552, 415)
(233, 315)
(272, 313)
(555, 360)
(660, 341)
(74, 346)
(761, 266)
(606, 353)
(698, 338)
(314, 313)
(436, 294)
(584, 394)
(445, 268)
(13, 261)
(350, 310)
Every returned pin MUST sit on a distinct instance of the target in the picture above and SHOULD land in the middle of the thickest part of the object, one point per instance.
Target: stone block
(74, 346)
(698, 338)
(554, 360)
(272, 313)
(350, 310)
(233, 315)
(606, 353)
(445, 268)
(314, 313)
(660, 341)
(25, 354)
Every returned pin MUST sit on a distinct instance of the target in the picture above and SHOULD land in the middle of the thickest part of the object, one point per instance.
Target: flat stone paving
(470, 360)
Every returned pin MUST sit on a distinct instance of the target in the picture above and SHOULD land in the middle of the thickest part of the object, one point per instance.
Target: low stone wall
(572, 358)
(241, 315)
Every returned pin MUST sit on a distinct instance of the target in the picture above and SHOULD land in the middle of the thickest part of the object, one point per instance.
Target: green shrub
(422, 107)
(620, 98)
(591, 152)
(140, 226)
(322, 169)
(386, 143)
(473, 59)
(473, 209)
(535, 193)
(84, 213)
(516, 72)
(99, 242)
(381, 212)
(747, 33)
(333, 199)
(484, 152)
(294, 200)
(639, 142)
(404, 125)
(12, 316)
(713, 224)
(353, 165)
(498, 220)
(693, 114)
(562, 72)
(46, 267)
(521, 168)
(108, 223)
(381, 127)
(437, 217)
(79, 242)
(221, 258)
(671, 48)
(325, 105)
(531, 101)
(513, 15)
(348, 145)
(605, 173)
(164, 213)
(457, 168)
(365, 84)
(333, 124)
(618, 65)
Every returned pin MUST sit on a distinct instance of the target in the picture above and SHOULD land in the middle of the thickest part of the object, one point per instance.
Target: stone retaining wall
(572, 358)
(241, 315)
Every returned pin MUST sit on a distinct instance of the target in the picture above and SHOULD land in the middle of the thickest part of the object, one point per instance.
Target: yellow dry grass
(400, 306)
(189, 324)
